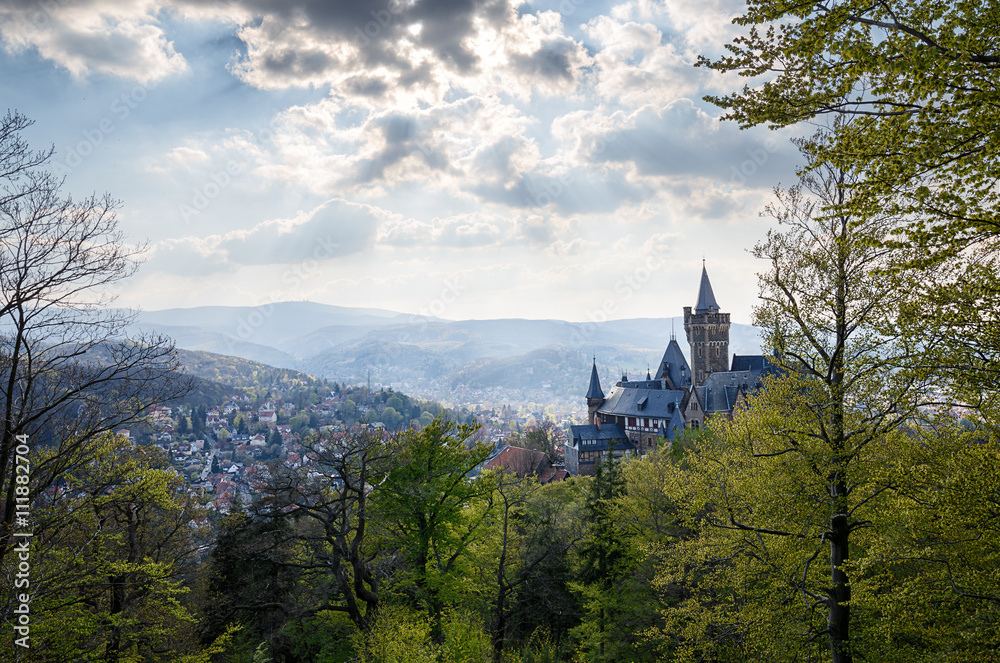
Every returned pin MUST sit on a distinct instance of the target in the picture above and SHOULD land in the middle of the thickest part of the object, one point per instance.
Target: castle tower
(707, 332)
(595, 395)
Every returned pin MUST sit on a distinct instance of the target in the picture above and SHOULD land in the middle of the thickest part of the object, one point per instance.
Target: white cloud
(634, 65)
(123, 39)
(332, 230)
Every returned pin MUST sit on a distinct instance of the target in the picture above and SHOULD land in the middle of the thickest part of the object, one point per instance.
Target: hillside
(515, 359)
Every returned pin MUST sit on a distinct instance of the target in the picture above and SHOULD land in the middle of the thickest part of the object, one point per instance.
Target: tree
(330, 502)
(919, 80)
(428, 498)
(604, 554)
(391, 418)
(820, 436)
(68, 369)
(251, 581)
(529, 537)
(113, 556)
(549, 532)
(299, 422)
(919, 77)
(546, 437)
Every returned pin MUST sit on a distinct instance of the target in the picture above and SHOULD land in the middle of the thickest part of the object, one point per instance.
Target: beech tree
(429, 499)
(920, 81)
(113, 557)
(69, 369)
(786, 493)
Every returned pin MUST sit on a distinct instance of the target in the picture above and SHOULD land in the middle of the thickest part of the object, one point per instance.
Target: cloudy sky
(463, 158)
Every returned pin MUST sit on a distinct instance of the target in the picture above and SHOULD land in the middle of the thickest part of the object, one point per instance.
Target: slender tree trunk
(840, 590)
(839, 619)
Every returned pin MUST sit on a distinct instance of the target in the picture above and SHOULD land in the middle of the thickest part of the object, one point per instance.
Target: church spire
(595, 390)
(706, 298)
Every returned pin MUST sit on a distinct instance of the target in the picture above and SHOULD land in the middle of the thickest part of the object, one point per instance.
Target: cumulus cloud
(462, 231)
(699, 27)
(332, 230)
(636, 66)
(121, 39)
(678, 139)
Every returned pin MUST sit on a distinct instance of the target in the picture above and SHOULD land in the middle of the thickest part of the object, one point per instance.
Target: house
(523, 463)
(589, 444)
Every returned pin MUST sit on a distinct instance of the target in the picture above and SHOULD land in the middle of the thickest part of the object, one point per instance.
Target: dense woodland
(851, 511)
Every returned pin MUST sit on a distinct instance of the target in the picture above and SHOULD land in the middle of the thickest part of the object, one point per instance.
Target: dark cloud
(679, 139)
(366, 86)
(298, 63)
(403, 136)
(553, 61)
(375, 27)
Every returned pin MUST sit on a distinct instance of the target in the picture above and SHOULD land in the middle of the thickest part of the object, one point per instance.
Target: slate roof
(674, 427)
(642, 399)
(590, 437)
(756, 363)
(720, 391)
(595, 390)
(706, 298)
(678, 370)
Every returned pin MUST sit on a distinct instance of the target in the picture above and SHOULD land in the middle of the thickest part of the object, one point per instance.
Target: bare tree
(329, 497)
(69, 369)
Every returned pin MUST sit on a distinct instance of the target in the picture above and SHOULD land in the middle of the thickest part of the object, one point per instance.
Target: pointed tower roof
(595, 390)
(678, 370)
(706, 298)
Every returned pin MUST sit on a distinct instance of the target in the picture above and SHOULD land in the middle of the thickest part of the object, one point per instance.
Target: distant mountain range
(431, 357)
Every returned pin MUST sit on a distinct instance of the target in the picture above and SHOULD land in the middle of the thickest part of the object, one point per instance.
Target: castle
(635, 413)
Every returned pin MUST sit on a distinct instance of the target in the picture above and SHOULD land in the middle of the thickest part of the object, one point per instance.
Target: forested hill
(241, 373)
(217, 376)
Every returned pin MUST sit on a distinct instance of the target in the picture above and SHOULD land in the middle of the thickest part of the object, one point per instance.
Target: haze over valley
(457, 362)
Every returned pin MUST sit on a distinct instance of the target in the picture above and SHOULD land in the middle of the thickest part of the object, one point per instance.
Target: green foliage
(918, 82)
(248, 581)
(112, 556)
(428, 498)
(919, 77)
(324, 638)
(398, 635)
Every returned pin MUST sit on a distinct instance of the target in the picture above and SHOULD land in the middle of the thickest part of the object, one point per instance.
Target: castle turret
(707, 332)
(595, 395)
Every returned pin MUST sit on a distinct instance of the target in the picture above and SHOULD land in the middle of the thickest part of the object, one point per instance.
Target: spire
(595, 383)
(706, 298)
